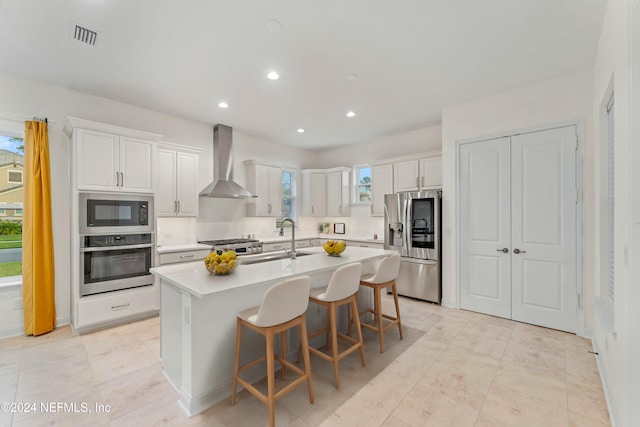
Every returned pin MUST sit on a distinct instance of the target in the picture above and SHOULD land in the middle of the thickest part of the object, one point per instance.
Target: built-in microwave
(102, 213)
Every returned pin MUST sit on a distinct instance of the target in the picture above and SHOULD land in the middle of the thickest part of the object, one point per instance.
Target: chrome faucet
(293, 236)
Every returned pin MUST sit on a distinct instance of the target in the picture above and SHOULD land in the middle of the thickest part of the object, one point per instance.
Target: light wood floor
(454, 368)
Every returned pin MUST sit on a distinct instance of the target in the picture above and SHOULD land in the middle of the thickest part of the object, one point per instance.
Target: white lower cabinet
(98, 310)
(183, 256)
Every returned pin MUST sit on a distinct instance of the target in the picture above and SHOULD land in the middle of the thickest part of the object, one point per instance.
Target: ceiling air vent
(83, 34)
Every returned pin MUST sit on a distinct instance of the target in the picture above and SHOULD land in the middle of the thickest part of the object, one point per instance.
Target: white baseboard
(16, 330)
(608, 394)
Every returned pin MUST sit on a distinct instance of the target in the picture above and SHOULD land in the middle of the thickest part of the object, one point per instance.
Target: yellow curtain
(38, 278)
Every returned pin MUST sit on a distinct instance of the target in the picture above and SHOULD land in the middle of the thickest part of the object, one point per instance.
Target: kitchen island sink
(275, 256)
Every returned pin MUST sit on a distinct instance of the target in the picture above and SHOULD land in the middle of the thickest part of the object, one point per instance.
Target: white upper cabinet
(313, 193)
(136, 165)
(407, 176)
(416, 175)
(381, 184)
(431, 173)
(177, 182)
(265, 182)
(110, 158)
(338, 191)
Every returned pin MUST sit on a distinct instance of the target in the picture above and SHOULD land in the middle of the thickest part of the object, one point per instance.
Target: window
(610, 291)
(362, 178)
(288, 198)
(11, 208)
(14, 177)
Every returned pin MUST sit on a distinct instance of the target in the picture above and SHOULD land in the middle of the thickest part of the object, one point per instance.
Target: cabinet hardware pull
(371, 208)
(312, 210)
(504, 250)
(117, 179)
(119, 307)
(121, 179)
(268, 207)
(518, 251)
(417, 182)
(179, 206)
(422, 179)
(175, 206)
(186, 256)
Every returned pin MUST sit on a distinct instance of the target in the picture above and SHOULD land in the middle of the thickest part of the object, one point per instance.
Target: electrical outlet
(17, 304)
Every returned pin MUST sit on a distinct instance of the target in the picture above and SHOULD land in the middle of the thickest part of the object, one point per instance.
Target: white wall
(562, 99)
(417, 141)
(21, 96)
(612, 67)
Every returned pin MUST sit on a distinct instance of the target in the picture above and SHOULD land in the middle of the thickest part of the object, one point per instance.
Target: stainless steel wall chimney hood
(223, 185)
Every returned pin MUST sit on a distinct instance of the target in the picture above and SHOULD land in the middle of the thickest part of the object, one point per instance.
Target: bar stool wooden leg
(334, 341)
(304, 342)
(353, 307)
(395, 300)
(283, 353)
(378, 307)
(236, 361)
(270, 377)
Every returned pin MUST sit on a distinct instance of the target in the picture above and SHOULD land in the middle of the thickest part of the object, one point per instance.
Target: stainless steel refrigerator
(413, 228)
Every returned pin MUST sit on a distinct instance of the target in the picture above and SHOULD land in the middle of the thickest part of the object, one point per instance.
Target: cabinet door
(260, 185)
(275, 191)
(381, 184)
(431, 173)
(136, 165)
(334, 194)
(406, 176)
(97, 160)
(318, 195)
(166, 197)
(186, 184)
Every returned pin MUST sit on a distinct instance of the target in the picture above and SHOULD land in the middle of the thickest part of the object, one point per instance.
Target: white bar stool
(283, 307)
(342, 289)
(383, 278)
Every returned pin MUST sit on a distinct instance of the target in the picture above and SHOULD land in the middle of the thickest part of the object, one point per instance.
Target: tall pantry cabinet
(108, 159)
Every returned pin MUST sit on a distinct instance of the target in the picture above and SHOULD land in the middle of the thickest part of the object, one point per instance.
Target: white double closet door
(517, 223)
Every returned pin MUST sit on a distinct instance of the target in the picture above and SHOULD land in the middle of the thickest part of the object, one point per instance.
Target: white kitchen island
(198, 317)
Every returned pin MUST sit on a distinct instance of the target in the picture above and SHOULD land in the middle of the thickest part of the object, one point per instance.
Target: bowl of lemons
(220, 262)
(334, 247)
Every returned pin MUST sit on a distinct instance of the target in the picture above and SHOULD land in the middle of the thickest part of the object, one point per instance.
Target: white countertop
(194, 278)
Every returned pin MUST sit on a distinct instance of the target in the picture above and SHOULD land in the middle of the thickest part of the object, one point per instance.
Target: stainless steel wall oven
(115, 262)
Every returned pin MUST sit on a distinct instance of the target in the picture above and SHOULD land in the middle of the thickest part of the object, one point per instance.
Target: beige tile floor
(454, 368)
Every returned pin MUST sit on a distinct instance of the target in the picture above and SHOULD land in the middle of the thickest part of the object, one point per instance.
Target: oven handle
(116, 248)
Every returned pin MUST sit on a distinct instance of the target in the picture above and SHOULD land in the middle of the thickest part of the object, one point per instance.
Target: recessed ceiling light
(274, 25)
(351, 114)
(273, 75)
(223, 105)
(351, 76)
(300, 130)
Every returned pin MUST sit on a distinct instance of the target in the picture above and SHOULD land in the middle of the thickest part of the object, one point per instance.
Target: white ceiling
(412, 57)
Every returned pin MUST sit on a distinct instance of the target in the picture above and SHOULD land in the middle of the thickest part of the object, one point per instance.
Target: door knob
(503, 250)
(518, 251)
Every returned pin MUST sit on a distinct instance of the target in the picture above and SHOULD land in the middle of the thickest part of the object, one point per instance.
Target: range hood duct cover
(223, 185)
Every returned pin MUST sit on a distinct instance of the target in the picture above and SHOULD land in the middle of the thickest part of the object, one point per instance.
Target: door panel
(485, 271)
(543, 215)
